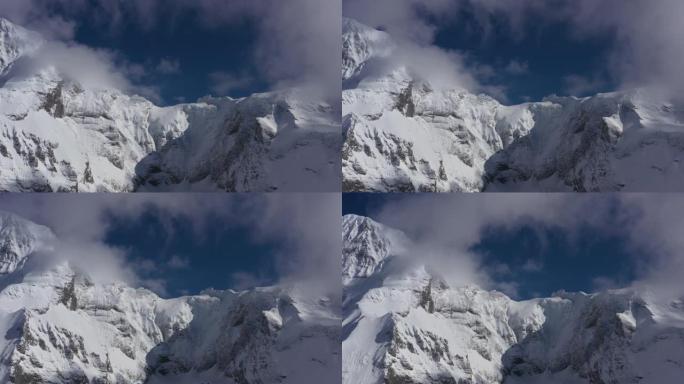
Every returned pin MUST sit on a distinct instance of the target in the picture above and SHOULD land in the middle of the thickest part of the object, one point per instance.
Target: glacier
(61, 326)
(404, 134)
(58, 135)
(402, 323)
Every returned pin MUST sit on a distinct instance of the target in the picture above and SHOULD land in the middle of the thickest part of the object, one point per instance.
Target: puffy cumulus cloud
(305, 230)
(298, 43)
(646, 35)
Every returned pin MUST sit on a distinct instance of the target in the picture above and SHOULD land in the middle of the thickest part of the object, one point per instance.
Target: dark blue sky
(560, 261)
(551, 51)
(212, 256)
(199, 50)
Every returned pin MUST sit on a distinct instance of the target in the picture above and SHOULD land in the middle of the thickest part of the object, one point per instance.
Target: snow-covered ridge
(411, 327)
(60, 326)
(56, 135)
(404, 134)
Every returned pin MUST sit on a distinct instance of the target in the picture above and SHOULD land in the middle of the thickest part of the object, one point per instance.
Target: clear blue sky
(211, 257)
(551, 50)
(199, 50)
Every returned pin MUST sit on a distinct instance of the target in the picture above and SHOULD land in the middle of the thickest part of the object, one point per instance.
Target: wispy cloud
(445, 228)
(516, 67)
(576, 85)
(178, 262)
(303, 229)
(224, 83)
(646, 36)
(169, 66)
(298, 41)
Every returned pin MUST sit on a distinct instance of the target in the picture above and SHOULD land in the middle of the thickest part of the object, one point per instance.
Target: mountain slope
(405, 134)
(60, 326)
(404, 324)
(626, 141)
(56, 135)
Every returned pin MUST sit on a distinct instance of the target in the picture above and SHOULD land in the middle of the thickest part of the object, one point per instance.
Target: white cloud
(445, 227)
(298, 41)
(304, 230)
(646, 35)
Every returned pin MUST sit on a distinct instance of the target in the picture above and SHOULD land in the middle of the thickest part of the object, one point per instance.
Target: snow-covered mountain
(404, 324)
(60, 326)
(18, 239)
(56, 135)
(368, 243)
(405, 134)
(15, 42)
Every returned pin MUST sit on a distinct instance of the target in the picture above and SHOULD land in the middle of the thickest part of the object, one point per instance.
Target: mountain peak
(18, 239)
(367, 244)
(361, 43)
(15, 41)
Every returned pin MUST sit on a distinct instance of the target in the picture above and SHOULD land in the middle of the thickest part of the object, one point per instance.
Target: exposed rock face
(406, 325)
(403, 134)
(57, 136)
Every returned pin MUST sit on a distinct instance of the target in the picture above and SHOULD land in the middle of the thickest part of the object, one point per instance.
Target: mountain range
(403, 324)
(404, 134)
(61, 326)
(58, 135)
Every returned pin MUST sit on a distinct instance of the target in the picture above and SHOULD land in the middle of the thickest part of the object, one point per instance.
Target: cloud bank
(445, 228)
(646, 35)
(298, 43)
(304, 228)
